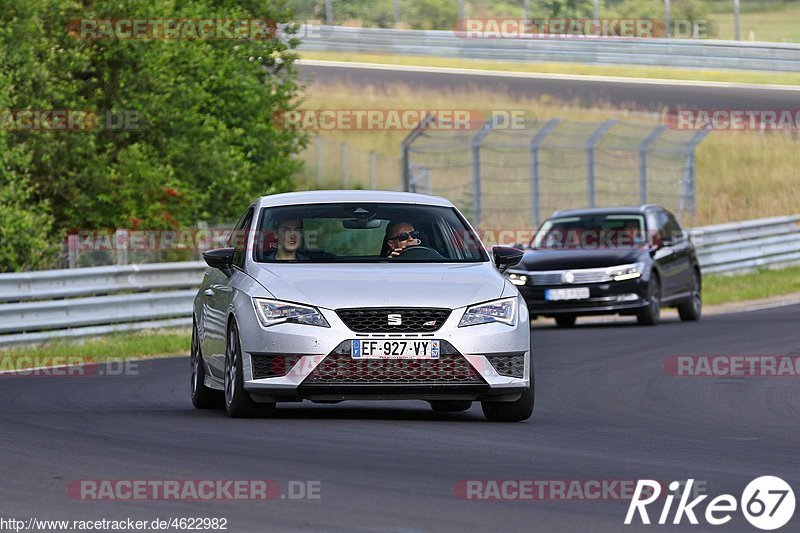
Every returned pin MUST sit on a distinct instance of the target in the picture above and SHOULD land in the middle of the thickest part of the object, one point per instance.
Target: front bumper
(487, 361)
(614, 297)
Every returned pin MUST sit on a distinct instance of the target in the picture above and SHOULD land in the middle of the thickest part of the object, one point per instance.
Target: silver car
(360, 295)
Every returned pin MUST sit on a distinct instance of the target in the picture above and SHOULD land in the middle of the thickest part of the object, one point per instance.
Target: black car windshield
(592, 232)
(365, 233)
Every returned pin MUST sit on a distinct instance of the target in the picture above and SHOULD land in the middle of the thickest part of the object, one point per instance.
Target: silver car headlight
(625, 272)
(503, 310)
(272, 312)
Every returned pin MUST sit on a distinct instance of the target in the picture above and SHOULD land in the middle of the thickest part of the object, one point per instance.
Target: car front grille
(555, 277)
(341, 369)
(510, 365)
(272, 366)
(384, 319)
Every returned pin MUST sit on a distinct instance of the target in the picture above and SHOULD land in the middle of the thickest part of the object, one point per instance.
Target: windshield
(365, 233)
(591, 232)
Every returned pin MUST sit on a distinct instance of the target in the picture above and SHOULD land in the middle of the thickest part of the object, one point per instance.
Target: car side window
(238, 238)
(672, 229)
(656, 226)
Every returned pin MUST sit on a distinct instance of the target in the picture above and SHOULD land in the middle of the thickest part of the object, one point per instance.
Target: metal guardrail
(82, 302)
(681, 53)
(71, 303)
(742, 246)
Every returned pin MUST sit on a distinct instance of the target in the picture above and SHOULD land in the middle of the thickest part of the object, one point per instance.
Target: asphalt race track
(587, 92)
(606, 410)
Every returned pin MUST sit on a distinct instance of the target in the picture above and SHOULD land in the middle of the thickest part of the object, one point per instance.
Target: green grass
(665, 73)
(114, 347)
(720, 289)
(777, 25)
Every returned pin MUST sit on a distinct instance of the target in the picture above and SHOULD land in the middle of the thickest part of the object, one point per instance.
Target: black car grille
(341, 369)
(272, 366)
(511, 365)
(376, 320)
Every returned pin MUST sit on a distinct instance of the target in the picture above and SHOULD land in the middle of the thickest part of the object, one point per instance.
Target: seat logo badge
(395, 319)
(568, 277)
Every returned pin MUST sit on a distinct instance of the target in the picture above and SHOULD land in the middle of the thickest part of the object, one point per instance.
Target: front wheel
(651, 314)
(515, 411)
(691, 310)
(238, 402)
(202, 397)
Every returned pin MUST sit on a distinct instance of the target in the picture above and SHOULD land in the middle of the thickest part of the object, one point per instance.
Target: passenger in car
(399, 236)
(290, 238)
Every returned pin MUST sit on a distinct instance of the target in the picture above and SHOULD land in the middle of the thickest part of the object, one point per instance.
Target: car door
(664, 255)
(220, 294)
(682, 255)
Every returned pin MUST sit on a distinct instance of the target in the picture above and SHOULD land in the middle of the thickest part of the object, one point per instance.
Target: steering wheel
(419, 252)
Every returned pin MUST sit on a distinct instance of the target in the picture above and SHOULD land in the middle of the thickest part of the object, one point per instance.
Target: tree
(201, 138)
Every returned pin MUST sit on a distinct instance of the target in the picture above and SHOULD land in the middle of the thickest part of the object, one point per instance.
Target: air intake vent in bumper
(341, 369)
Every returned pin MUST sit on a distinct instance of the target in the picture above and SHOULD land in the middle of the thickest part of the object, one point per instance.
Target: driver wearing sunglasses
(400, 235)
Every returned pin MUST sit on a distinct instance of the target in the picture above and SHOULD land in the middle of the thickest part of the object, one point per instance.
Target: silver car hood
(333, 286)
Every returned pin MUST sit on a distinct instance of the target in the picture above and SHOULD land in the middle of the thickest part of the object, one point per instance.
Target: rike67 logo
(767, 503)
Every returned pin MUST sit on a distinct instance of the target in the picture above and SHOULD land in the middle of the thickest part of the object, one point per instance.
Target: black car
(623, 260)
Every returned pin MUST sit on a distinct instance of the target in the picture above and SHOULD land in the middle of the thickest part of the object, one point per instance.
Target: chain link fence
(332, 164)
(516, 177)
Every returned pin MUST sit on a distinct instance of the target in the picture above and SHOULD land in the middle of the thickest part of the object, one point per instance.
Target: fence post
(329, 12)
(536, 141)
(667, 21)
(373, 170)
(590, 146)
(689, 189)
(345, 166)
(121, 246)
(485, 130)
(318, 155)
(405, 147)
(72, 250)
(643, 147)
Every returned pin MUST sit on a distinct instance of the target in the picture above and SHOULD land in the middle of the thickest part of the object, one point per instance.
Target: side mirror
(220, 258)
(506, 257)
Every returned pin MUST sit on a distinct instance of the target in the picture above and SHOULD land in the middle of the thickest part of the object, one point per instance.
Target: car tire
(450, 406)
(516, 411)
(566, 321)
(238, 402)
(651, 314)
(692, 310)
(202, 397)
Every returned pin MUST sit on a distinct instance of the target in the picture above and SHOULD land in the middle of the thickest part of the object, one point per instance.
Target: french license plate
(394, 349)
(578, 293)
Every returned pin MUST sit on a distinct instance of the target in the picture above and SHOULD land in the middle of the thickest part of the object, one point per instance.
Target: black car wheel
(515, 411)
(238, 402)
(691, 310)
(202, 397)
(650, 315)
(566, 321)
